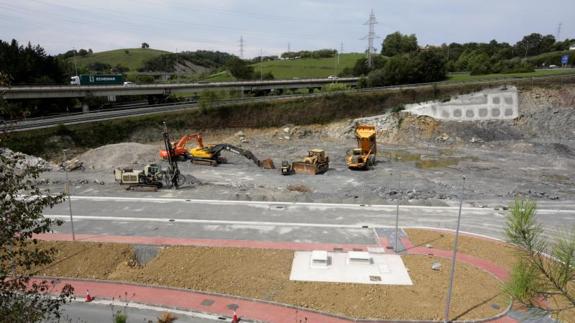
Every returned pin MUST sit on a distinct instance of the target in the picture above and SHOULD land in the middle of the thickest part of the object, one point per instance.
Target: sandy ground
(264, 274)
(499, 253)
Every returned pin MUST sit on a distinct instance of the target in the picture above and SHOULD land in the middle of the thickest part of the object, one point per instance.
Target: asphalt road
(279, 221)
(96, 312)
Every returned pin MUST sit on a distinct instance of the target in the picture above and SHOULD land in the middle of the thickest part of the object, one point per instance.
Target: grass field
(307, 67)
(224, 76)
(134, 59)
(297, 68)
(466, 77)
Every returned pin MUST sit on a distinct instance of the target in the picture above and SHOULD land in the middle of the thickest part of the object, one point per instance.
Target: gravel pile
(28, 160)
(127, 154)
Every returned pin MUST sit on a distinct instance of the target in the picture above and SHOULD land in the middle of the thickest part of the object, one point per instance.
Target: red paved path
(182, 299)
(486, 265)
(188, 300)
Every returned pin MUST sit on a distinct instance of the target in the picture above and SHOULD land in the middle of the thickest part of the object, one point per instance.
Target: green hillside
(133, 58)
(307, 67)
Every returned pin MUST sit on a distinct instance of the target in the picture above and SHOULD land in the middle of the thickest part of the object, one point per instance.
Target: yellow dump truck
(363, 156)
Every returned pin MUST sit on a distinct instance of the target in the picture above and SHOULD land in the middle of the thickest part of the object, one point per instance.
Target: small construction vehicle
(286, 168)
(364, 156)
(315, 163)
(150, 176)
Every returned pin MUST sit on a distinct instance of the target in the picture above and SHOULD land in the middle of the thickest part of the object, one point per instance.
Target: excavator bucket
(304, 168)
(267, 164)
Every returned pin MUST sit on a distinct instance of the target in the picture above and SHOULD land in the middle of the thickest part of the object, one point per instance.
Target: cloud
(59, 25)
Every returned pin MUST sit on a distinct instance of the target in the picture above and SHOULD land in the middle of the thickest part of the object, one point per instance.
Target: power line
(370, 37)
(242, 46)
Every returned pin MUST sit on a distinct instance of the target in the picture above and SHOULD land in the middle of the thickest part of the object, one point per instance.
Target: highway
(110, 114)
(279, 221)
(74, 91)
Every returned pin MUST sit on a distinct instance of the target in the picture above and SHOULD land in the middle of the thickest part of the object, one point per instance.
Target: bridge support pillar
(85, 107)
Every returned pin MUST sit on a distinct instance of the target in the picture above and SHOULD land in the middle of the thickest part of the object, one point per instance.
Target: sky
(268, 26)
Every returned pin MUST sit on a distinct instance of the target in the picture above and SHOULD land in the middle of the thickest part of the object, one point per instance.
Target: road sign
(564, 59)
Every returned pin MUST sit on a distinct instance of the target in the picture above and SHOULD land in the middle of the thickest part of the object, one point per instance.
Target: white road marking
(306, 204)
(224, 222)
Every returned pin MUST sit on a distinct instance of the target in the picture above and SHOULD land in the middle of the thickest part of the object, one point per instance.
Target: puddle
(444, 159)
(401, 155)
(442, 162)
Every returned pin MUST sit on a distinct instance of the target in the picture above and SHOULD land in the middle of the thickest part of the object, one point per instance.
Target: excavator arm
(180, 146)
(185, 139)
(236, 150)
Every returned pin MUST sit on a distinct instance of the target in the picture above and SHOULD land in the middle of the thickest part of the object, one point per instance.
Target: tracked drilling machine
(175, 178)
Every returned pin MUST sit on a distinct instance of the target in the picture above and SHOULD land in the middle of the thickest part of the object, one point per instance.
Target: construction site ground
(420, 160)
(264, 274)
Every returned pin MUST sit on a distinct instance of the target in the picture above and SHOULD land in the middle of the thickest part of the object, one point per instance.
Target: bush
(553, 58)
(99, 67)
(421, 67)
(480, 64)
(335, 87)
(144, 79)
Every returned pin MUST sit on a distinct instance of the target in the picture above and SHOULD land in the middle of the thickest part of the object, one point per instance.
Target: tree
(29, 64)
(83, 52)
(425, 66)
(22, 203)
(396, 43)
(429, 66)
(240, 69)
(545, 268)
(145, 45)
(99, 67)
(479, 64)
(534, 44)
(119, 68)
(361, 67)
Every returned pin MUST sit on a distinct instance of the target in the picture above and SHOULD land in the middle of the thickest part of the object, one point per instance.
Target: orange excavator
(210, 154)
(180, 150)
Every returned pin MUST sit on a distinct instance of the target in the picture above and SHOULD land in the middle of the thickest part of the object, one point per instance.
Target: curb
(298, 309)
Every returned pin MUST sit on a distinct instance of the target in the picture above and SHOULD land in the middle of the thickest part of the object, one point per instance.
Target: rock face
(540, 115)
(28, 160)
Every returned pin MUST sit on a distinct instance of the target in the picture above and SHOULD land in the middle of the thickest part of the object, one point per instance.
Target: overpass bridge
(75, 91)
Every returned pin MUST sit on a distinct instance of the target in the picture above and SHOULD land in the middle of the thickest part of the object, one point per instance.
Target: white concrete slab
(381, 269)
(490, 104)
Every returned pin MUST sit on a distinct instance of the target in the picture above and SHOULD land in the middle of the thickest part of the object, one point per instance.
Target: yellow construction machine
(210, 154)
(316, 162)
(363, 156)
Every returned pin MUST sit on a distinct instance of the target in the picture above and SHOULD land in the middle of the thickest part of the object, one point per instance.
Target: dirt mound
(24, 160)
(119, 155)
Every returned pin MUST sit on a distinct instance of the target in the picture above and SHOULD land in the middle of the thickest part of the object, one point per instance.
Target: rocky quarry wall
(544, 115)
